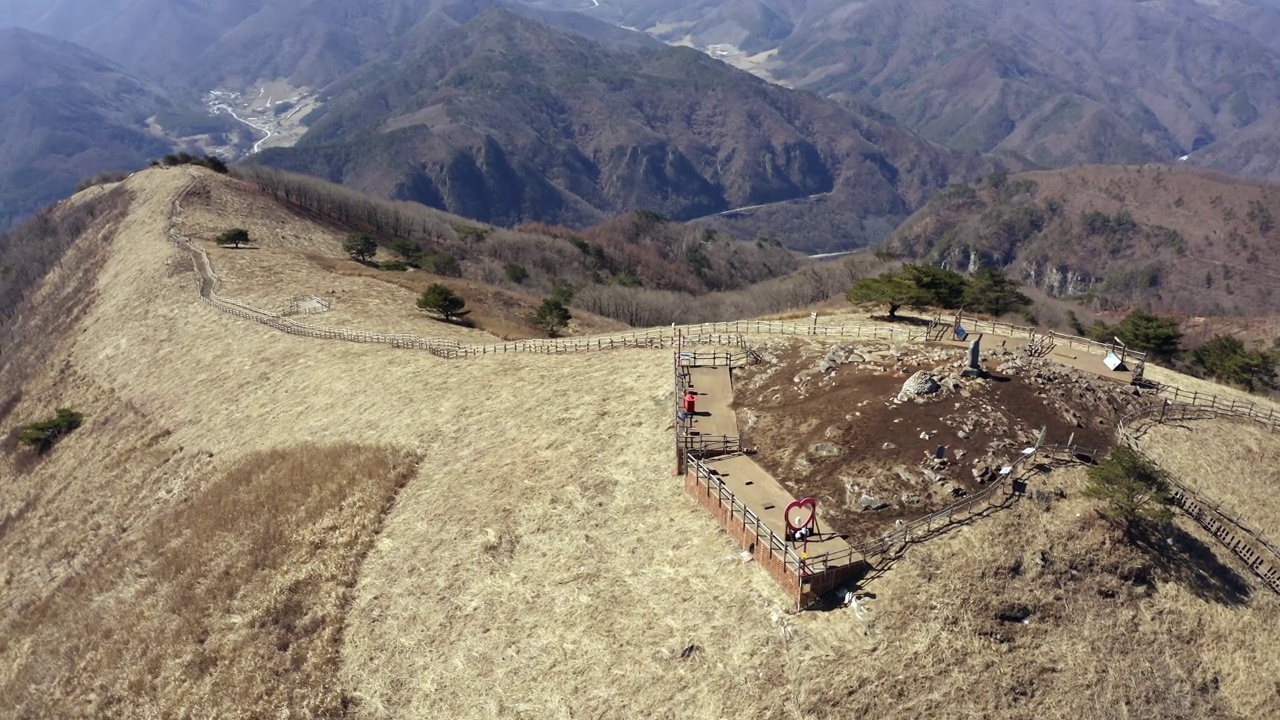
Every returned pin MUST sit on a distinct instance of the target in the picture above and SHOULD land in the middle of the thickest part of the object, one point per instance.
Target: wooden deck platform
(714, 413)
(768, 499)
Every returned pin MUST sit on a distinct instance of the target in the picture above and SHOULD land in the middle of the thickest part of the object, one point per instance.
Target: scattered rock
(888, 446)
(960, 454)
(870, 503)
(802, 466)
(831, 432)
(911, 499)
(825, 449)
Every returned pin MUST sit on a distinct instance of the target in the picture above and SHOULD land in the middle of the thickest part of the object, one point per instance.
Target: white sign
(1112, 361)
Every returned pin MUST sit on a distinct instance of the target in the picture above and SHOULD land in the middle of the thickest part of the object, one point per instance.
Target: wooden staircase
(1236, 539)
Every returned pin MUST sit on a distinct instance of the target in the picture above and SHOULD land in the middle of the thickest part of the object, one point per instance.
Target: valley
(274, 112)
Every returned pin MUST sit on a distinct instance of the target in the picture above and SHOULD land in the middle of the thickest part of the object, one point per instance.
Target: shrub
(627, 278)
(916, 286)
(1225, 358)
(42, 435)
(442, 301)
(234, 236)
(990, 291)
(102, 178)
(394, 265)
(212, 162)
(552, 315)
(442, 264)
(1077, 327)
(516, 273)
(1135, 490)
(1150, 333)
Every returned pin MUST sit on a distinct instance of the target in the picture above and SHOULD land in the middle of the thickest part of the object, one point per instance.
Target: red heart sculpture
(809, 503)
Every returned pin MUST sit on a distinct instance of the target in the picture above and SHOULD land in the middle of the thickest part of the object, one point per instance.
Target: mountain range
(516, 111)
(507, 120)
(66, 114)
(1060, 82)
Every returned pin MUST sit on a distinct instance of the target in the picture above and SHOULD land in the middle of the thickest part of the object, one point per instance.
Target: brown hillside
(254, 524)
(506, 121)
(1060, 82)
(1168, 238)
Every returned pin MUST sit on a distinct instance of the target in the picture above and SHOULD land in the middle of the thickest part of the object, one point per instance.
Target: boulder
(870, 503)
(921, 383)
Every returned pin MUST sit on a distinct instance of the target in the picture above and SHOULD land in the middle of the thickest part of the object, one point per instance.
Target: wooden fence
(663, 337)
(1181, 406)
(925, 526)
(778, 547)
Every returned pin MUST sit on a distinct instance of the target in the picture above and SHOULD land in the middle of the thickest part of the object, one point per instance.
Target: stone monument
(974, 366)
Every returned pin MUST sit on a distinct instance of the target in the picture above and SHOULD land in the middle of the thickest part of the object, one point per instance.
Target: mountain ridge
(66, 114)
(1058, 82)
(505, 120)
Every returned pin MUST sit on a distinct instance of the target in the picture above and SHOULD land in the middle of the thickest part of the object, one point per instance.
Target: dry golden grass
(1191, 384)
(293, 256)
(1235, 462)
(537, 615)
(541, 563)
(232, 604)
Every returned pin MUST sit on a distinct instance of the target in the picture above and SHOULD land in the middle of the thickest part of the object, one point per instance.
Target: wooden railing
(777, 545)
(1074, 342)
(702, 446)
(1181, 406)
(662, 337)
(928, 524)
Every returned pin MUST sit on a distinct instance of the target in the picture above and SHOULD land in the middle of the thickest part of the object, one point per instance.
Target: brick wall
(744, 534)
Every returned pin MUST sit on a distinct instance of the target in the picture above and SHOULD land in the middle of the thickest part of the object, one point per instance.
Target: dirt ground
(843, 438)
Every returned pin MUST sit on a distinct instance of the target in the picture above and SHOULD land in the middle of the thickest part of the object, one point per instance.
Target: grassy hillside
(253, 524)
(1166, 238)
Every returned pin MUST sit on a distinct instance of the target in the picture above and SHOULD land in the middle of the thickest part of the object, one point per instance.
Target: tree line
(990, 292)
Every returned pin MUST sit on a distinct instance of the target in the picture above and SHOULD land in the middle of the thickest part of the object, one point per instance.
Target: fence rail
(940, 518)
(727, 333)
(1181, 406)
(777, 546)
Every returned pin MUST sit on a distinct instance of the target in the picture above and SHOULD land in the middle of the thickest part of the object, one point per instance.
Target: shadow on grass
(902, 320)
(465, 322)
(1185, 559)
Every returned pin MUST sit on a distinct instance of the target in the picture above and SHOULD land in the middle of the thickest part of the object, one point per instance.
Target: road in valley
(265, 131)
